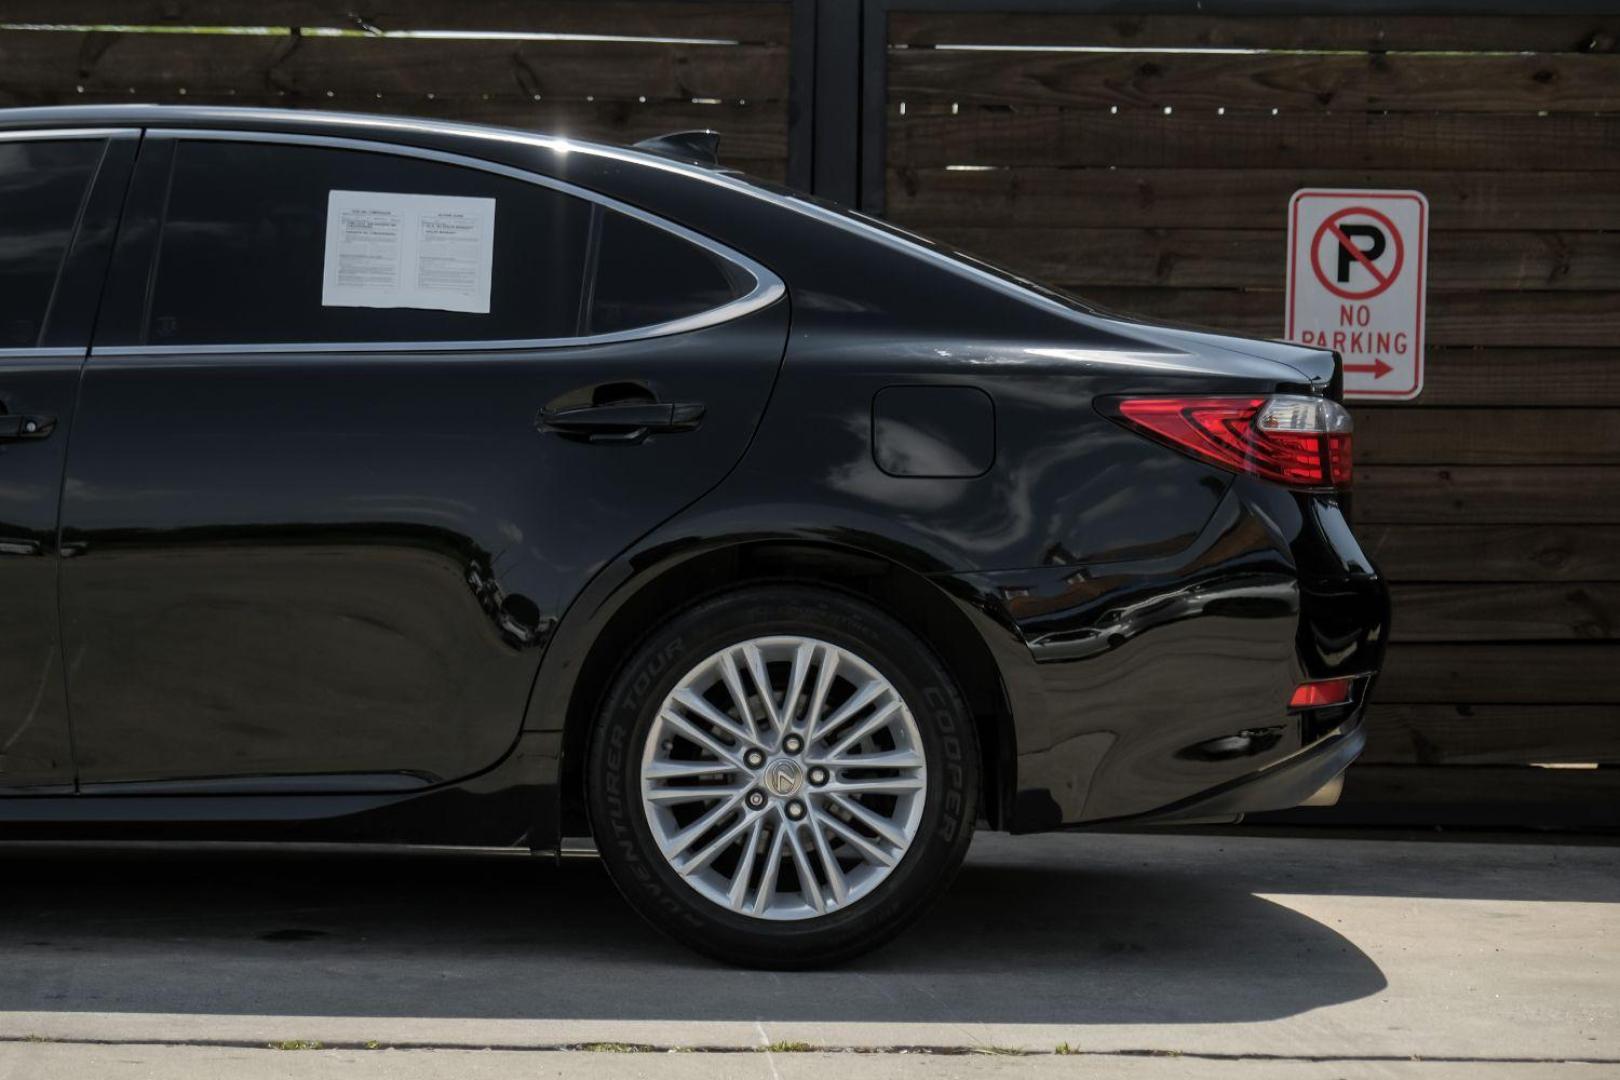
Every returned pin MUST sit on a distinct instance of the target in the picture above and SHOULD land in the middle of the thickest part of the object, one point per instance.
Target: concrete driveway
(1248, 956)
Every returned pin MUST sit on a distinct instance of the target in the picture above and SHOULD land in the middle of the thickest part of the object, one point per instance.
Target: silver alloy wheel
(783, 778)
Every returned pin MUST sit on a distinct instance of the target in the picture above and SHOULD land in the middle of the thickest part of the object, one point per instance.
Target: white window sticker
(386, 250)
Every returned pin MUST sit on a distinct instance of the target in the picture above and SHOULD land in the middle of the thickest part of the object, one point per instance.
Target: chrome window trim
(767, 290)
(66, 133)
(29, 352)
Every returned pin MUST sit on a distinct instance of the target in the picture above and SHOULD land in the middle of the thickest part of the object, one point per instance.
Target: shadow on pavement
(1031, 932)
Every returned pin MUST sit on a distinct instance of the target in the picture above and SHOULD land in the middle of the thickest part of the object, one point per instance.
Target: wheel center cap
(784, 777)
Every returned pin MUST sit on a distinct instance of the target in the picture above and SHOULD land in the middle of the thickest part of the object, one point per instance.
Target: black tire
(668, 901)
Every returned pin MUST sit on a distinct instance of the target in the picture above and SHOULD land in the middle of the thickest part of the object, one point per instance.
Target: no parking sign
(1357, 266)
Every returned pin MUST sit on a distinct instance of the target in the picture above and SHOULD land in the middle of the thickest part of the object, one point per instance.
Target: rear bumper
(1158, 689)
(1283, 786)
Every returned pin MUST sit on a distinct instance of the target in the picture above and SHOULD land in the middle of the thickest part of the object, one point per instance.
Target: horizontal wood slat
(738, 21)
(1483, 796)
(1520, 377)
(1404, 82)
(1462, 318)
(1487, 494)
(1491, 734)
(1248, 258)
(1530, 673)
(50, 66)
(1490, 553)
(1145, 138)
(1523, 33)
(1584, 611)
(1234, 198)
(1395, 435)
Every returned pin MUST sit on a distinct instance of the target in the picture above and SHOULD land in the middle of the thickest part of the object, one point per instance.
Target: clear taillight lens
(1299, 441)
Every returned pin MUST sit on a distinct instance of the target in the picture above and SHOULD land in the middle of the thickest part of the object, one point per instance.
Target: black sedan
(380, 481)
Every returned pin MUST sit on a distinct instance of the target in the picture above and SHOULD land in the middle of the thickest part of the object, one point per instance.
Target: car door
(357, 425)
(56, 224)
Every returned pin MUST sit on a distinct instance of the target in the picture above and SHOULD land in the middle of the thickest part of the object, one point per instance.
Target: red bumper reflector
(1315, 695)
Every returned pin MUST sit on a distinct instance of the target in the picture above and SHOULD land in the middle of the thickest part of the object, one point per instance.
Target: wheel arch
(917, 601)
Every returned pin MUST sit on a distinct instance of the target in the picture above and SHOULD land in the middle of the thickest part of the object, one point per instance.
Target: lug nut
(754, 758)
(818, 776)
(793, 744)
(756, 800)
(795, 809)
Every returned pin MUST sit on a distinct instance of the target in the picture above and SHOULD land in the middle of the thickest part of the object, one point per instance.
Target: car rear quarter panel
(1138, 604)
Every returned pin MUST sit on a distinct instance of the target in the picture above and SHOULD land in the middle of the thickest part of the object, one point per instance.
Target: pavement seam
(765, 1045)
(897, 1050)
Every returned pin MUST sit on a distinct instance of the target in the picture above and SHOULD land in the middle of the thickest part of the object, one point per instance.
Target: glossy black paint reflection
(327, 563)
(35, 733)
(338, 585)
(934, 432)
(1146, 669)
(35, 741)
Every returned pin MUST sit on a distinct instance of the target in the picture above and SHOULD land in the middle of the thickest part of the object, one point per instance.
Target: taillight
(1301, 441)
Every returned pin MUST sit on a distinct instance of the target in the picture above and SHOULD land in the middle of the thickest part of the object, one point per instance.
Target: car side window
(244, 252)
(244, 246)
(646, 275)
(42, 186)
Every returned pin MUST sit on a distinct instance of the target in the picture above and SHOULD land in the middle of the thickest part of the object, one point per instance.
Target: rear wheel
(783, 777)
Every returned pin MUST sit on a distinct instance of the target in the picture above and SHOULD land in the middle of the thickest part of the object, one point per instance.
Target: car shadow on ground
(1023, 936)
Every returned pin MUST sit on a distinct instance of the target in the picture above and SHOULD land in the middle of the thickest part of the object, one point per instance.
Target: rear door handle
(17, 426)
(622, 422)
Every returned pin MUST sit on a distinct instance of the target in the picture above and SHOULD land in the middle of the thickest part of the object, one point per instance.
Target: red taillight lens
(1315, 695)
(1302, 441)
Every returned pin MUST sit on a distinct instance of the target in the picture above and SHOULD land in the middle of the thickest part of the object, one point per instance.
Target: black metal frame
(837, 136)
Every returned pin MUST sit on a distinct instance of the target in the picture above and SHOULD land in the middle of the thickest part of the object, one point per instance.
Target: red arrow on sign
(1377, 368)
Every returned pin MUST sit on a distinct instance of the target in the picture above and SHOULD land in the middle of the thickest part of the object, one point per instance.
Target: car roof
(408, 130)
(525, 149)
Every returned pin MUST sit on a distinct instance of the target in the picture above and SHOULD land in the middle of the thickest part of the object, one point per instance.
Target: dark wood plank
(757, 22)
(1480, 553)
(1520, 377)
(1477, 611)
(1145, 138)
(1491, 734)
(1472, 797)
(1487, 495)
(1392, 435)
(1516, 33)
(1234, 198)
(1532, 673)
(45, 66)
(1257, 258)
(1290, 80)
(1576, 318)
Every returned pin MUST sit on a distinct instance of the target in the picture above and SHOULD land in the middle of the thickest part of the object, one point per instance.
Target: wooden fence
(617, 70)
(1146, 161)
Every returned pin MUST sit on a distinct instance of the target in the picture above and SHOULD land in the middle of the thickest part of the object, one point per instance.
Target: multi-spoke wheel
(782, 777)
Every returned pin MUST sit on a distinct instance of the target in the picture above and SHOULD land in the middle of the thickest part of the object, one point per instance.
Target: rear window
(646, 275)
